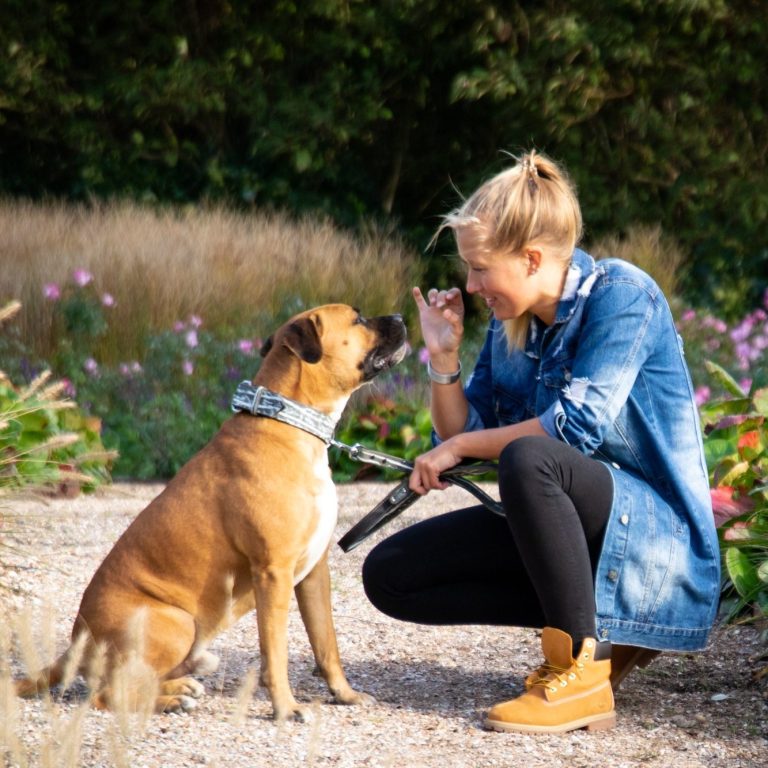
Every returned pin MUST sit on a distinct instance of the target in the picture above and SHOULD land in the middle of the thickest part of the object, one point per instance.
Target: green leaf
(742, 572)
(724, 379)
(760, 399)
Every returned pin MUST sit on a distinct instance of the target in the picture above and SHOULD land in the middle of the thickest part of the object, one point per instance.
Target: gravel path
(432, 684)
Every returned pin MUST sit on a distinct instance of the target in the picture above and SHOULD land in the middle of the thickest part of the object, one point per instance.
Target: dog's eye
(359, 320)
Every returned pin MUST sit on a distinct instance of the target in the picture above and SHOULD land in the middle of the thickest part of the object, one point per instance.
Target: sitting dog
(246, 522)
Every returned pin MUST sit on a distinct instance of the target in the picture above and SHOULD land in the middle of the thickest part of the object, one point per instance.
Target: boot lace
(558, 676)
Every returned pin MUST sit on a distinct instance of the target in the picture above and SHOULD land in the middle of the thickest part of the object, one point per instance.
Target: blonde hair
(532, 201)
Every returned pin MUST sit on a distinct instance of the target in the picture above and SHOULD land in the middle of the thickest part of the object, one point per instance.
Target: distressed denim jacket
(609, 378)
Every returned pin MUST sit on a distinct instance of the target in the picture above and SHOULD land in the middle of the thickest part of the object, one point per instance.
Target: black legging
(533, 569)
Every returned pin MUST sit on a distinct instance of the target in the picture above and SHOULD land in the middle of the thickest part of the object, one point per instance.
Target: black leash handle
(401, 497)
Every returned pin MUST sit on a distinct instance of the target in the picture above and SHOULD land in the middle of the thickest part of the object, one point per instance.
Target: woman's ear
(533, 257)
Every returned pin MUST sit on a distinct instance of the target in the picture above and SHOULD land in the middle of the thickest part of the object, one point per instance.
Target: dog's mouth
(390, 351)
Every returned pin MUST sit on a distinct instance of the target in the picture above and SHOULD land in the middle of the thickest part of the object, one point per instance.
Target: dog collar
(260, 401)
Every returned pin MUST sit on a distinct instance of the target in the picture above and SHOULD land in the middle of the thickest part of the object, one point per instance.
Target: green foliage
(46, 442)
(402, 430)
(384, 109)
(736, 448)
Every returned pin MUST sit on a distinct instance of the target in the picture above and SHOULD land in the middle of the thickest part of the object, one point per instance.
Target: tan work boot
(575, 693)
(624, 658)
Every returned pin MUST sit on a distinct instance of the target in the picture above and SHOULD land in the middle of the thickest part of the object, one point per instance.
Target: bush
(736, 448)
(46, 442)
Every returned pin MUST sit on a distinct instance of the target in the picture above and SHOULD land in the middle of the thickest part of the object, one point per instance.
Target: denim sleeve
(479, 393)
(620, 323)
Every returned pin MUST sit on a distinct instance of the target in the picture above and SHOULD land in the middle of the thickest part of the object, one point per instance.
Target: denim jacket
(609, 378)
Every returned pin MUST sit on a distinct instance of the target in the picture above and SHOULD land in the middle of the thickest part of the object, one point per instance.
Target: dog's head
(336, 347)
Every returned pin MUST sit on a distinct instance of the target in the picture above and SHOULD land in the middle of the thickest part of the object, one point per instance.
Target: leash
(401, 496)
(260, 401)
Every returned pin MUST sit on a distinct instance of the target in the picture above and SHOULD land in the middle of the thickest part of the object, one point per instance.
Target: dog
(244, 524)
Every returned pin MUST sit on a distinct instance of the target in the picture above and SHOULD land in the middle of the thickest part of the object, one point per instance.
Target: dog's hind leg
(148, 659)
(313, 594)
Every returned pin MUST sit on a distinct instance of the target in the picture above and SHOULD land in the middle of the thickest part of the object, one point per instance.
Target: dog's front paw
(352, 697)
(296, 713)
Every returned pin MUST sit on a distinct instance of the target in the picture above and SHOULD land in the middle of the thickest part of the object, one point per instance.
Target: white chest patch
(327, 511)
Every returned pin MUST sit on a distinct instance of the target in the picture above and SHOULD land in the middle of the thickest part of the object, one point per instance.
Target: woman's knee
(525, 457)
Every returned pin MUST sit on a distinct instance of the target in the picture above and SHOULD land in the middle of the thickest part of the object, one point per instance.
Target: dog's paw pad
(186, 704)
(193, 688)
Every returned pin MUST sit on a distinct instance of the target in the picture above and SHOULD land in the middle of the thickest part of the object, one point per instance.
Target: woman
(582, 394)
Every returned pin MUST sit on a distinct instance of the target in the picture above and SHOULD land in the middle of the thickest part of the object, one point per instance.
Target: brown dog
(244, 523)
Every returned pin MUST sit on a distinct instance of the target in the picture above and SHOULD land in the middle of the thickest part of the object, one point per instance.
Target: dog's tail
(34, 685)
(63, 670)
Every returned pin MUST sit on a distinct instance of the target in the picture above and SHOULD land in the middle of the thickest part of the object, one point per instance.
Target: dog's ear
(302, 338)
(266, 346)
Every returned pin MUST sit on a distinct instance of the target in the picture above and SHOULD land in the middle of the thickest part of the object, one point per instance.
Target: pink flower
(69, 388)
(688, 315)
(724, 506)
(179, 326)
(108, 300)
(246, 346)
(191, 339)
(82, 277)
(51, 291)
(423, 355)
(187, 367)
(195, 321)
(702, 394)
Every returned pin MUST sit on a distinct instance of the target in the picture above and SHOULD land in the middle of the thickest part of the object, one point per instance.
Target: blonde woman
(582, 393)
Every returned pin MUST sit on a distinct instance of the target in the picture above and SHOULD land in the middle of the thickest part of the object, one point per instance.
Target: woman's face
(503, 282)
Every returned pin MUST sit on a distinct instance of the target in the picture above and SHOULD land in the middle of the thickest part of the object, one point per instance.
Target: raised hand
(441, 316)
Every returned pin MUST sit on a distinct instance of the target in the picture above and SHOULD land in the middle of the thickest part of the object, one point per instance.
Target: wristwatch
(443, 378)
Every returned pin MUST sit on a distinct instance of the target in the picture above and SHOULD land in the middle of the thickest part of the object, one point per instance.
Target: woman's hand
(427, 468)
(442, 320)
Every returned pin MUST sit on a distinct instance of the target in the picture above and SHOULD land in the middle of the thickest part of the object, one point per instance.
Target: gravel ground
(431, 684)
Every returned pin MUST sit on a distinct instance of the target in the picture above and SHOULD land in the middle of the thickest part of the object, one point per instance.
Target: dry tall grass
(649, 248)
(234, 270)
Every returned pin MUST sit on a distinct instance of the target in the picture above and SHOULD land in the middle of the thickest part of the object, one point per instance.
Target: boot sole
(601, 722)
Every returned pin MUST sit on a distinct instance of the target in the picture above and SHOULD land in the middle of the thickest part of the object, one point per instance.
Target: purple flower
(82, 277)
(746, 384)
(90, 366)
(188, 367)
(179, 326)
(195, 321)
(423, 355)
(246, 346)
(108, 300)
(51, 291)
(191, 339)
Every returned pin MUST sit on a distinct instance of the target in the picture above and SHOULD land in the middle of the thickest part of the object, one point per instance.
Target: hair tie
(529, 168)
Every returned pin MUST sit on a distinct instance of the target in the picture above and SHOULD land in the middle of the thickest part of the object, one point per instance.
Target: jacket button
(613, 574)
(615, 465)
(624, 519)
